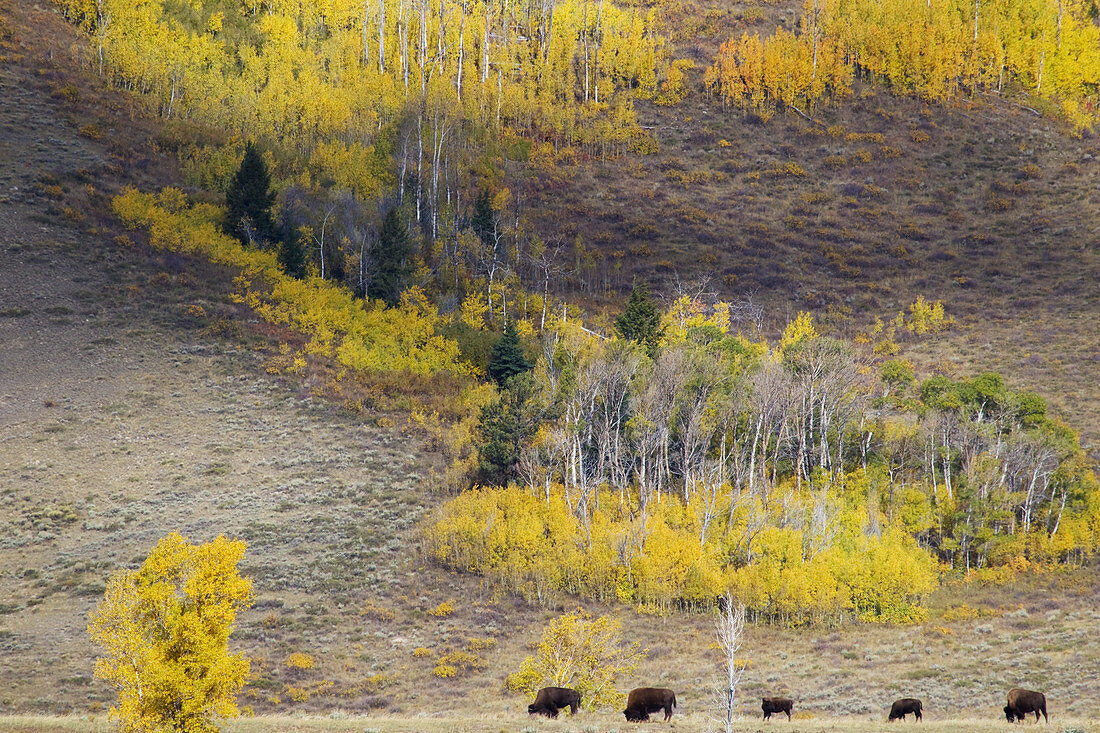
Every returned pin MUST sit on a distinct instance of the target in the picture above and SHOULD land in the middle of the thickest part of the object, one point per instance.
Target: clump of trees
(360, 334)
(793, 476)
(935, 50)
(165, 628)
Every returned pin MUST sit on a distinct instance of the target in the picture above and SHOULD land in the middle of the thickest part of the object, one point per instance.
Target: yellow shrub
(298, 660)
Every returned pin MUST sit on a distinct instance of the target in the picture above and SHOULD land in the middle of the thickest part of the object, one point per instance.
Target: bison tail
(674, 700)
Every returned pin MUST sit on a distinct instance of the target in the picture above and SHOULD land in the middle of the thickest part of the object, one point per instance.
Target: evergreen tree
(248, 201)
(392, 258)
(641, 320)
(507, 358)
(504, 429)
(483, 221)
(292, 257)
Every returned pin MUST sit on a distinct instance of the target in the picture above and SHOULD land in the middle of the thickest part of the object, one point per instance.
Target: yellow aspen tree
(165, 630)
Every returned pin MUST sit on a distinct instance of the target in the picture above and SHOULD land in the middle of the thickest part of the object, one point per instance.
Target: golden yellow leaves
(165, 630)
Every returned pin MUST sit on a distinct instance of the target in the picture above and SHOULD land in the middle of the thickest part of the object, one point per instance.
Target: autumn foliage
(789, 476)
(582, 653)
(361, 334)
(937, 50)
(164, 629)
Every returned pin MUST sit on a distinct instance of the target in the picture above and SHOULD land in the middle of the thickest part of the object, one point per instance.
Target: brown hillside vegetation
(877, 201)
(135, 399)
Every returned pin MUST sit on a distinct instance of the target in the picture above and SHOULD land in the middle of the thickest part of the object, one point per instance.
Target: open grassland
(482, 722)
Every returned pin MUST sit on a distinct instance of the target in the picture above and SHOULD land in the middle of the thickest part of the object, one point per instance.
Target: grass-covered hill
(139, 398)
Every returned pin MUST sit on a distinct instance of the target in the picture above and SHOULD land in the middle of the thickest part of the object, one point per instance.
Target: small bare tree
(730, 632)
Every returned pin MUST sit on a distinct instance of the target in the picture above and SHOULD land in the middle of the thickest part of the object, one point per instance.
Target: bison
(550, 700)
(1022, 702)
(777, 705)
(903, 707)
(645, 700)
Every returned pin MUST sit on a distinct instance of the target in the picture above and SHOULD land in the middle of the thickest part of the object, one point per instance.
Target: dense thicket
(937, 49)
(333, 77)
(796, 476)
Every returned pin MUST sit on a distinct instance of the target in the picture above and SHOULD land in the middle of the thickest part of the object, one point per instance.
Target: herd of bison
(645, 700)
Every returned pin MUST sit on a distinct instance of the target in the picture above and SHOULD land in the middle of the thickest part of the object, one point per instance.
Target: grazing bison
(645, 700)
(903, 707)
(550, 700)
(1022, 702)
(777, 705)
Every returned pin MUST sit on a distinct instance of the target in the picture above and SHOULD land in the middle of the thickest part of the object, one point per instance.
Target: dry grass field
(136, 399)
(487, 723)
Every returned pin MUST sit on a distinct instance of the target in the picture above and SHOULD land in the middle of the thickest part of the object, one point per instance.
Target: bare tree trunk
(381, 36)
(461, 50)
(730, 636)
(596, 55)
(419, 159)
(404, 37)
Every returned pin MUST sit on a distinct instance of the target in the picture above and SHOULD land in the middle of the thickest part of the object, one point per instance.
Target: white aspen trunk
(404, 169)
(947, 467)
(423, 49)
(440, 37)
(1042, 58)
(381, 36)
(1058, 33)
(584, 44)
(1062, 508)
(404, 36)
(813, 69)
(461, 50)
(419, 160)
(485, 47)
(437, 154)
(102, 21)
(596, 54)
(752, 454)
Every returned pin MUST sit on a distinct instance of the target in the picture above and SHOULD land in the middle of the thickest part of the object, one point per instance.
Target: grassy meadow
(481, 722)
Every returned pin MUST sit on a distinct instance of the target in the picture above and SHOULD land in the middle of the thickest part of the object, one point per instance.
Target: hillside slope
(854, 215)
(128, 412)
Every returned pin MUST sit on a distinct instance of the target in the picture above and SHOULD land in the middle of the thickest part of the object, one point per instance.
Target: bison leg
(668, 713)
(788, 715)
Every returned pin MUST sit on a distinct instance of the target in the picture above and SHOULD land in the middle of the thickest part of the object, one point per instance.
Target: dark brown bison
(645, 700)
(903, 707)
(550, 700)
(777, 705)
(1022, 702)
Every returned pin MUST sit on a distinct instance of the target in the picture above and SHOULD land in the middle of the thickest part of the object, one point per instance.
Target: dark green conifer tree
(292, 258)
(507, 358)
(504, 430)
(392, 260)
(248, 201)
(483, 221)
(641, 320)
